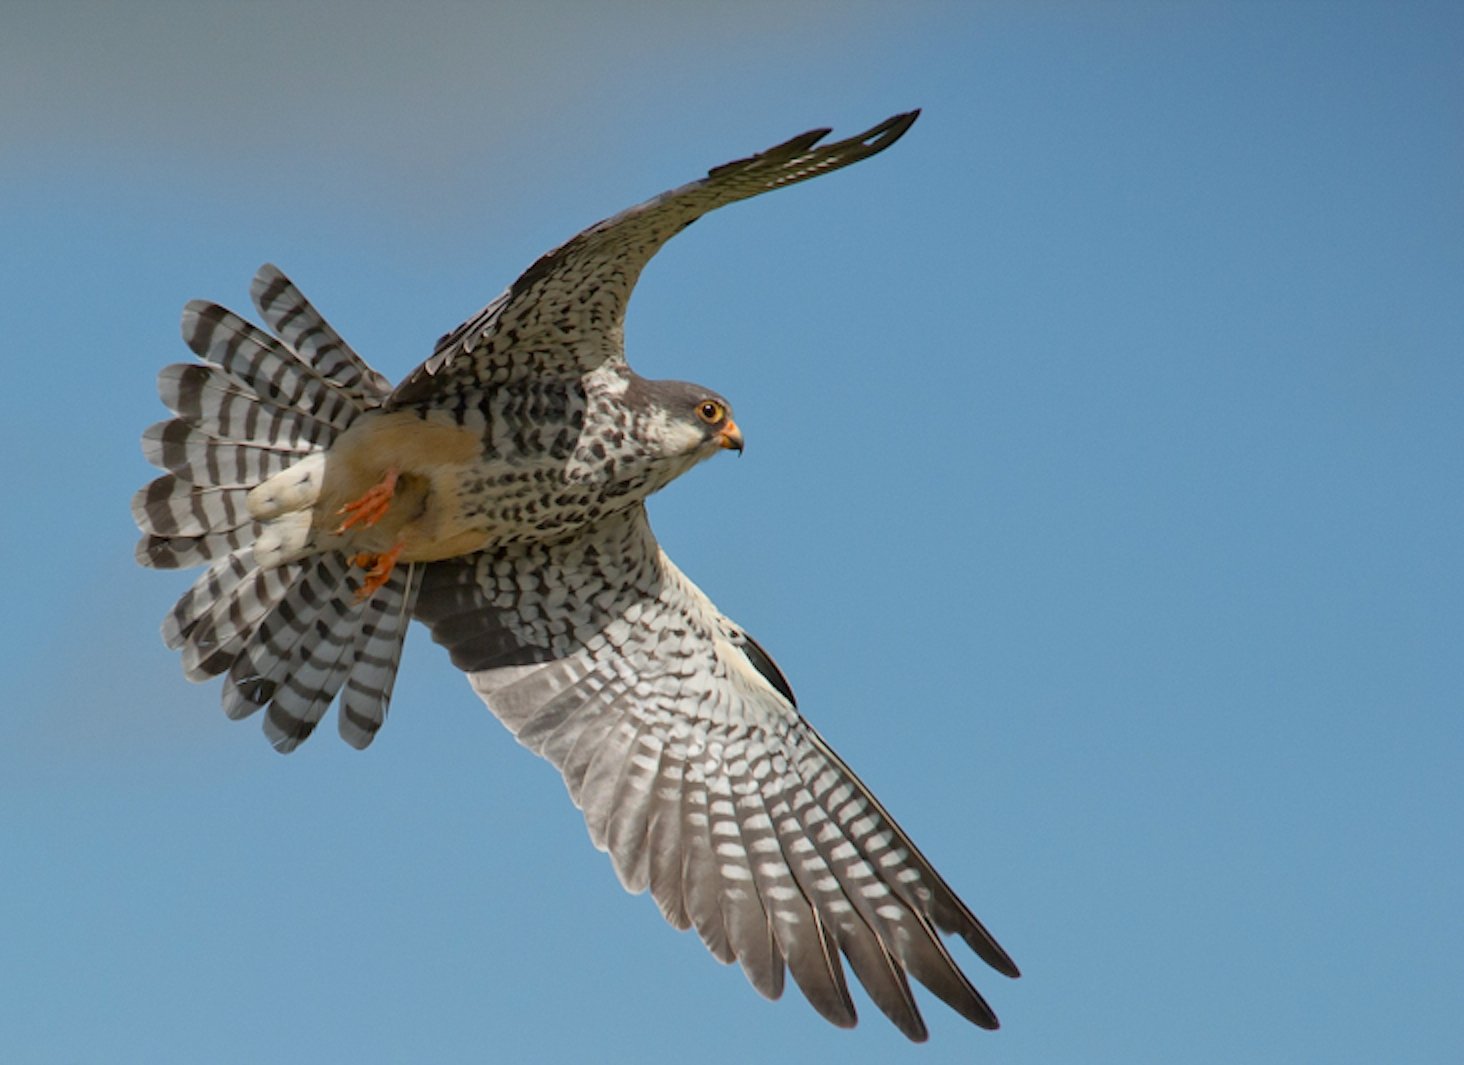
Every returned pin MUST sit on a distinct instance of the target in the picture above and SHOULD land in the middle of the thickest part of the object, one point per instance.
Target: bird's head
(689, 421)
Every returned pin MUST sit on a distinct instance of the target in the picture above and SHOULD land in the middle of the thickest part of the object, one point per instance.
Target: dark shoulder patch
(764, 664)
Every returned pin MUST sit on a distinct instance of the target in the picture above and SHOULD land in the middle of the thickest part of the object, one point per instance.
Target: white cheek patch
(676, 435)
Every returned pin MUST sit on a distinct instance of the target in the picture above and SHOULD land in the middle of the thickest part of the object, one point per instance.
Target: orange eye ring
(711, 411)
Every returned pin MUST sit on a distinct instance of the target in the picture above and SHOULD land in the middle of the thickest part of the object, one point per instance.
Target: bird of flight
(497, 495)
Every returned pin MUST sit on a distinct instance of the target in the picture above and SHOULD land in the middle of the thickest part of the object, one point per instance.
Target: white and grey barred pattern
(289, 638)
(679, 740)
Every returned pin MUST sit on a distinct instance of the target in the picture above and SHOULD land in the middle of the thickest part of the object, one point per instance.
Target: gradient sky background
(1102, 501)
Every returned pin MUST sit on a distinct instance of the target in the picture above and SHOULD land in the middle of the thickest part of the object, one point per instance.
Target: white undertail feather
(244, 456)
(287, 538)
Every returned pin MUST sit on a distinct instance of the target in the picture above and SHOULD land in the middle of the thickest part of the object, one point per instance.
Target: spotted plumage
(497, 495)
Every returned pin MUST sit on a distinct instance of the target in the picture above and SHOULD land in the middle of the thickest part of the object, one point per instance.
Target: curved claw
(378, 570)
(372, 505)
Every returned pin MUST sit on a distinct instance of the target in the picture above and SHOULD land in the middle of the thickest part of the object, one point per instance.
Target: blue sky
(1102, 501)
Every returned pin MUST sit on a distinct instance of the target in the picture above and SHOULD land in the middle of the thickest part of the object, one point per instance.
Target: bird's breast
(459, 489)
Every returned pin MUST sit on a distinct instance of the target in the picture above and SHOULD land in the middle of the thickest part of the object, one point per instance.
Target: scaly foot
(378, 570)
(372, 506)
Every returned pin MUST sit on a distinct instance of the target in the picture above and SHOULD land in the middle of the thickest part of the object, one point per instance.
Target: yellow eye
(710, 411)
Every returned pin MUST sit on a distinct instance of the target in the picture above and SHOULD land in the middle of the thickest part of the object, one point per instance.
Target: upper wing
(679, 740)
(563, 315)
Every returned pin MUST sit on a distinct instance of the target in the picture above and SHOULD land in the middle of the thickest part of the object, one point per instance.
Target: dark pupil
(709, 411)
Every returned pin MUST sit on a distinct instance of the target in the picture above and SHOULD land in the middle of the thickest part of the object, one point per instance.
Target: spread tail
(281, 622)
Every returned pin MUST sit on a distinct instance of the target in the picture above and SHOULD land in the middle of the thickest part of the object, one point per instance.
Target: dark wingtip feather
(989, 950)
(871, 142)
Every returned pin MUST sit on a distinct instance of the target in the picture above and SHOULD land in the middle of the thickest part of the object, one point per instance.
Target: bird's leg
(378, 570)
(372, 505)
(365, 511)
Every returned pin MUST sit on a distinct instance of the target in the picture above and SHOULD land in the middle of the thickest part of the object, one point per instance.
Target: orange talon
(373, 504)
(378, 570)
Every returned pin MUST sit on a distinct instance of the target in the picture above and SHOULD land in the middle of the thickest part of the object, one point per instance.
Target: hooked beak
(730, 437)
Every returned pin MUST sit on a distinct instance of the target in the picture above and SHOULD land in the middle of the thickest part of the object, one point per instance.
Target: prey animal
(497, 494)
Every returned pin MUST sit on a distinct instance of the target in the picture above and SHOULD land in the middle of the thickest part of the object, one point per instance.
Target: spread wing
(563, 316)
(680, 741)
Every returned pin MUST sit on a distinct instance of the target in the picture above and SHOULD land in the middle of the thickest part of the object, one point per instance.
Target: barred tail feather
(290, 315)
(215, 619)
(280, 623)
(366, 691)
(208, 399)
(301, 653)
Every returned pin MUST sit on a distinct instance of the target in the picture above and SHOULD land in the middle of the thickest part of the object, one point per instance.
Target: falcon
(498, 495)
